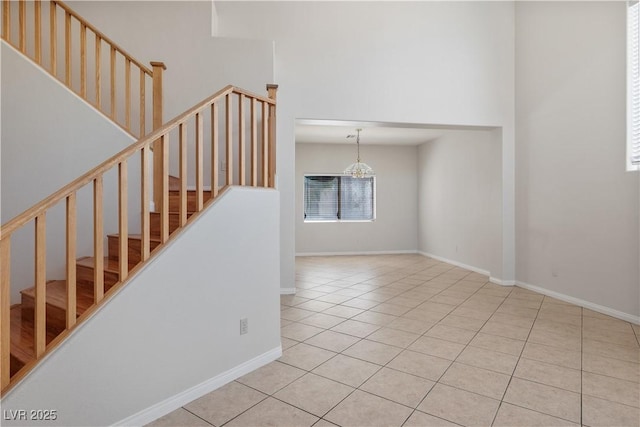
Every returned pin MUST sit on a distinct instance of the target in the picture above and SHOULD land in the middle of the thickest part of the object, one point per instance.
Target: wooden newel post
(158, 145)
(272, 91)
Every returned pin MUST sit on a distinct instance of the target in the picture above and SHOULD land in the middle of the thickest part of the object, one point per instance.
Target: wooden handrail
(124, 105)
(236, 145)
(59, 195)
(100, 34)
(88, 177)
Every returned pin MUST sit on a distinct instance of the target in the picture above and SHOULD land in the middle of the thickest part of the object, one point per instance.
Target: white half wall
(396, 225)
(460, 187)
(577, 207)
(407, 62)
(174, 327)
(49, 138)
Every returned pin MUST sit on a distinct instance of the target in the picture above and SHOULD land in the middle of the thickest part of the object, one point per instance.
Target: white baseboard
(456, 263)
(501, 282)
(304, 254)
(562, 297)
(171, 404)
(582, 303)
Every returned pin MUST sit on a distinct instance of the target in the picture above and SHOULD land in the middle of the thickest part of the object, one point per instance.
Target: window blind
(338, 198)
(633, 83)
(320, 198)
(356, 196)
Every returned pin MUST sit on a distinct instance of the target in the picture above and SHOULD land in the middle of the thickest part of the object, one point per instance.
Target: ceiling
(311, 131)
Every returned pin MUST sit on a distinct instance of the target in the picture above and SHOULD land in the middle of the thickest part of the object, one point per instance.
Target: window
(633, 85)
(339, 198)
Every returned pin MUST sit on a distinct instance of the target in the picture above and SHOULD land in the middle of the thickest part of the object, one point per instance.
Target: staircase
(50, 311)
(234, 126)
(22, 314)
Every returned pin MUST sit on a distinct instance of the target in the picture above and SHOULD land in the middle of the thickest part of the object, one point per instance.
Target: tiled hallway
(404, 340)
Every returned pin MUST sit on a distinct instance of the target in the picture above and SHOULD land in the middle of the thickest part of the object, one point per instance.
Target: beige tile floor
(404, 340)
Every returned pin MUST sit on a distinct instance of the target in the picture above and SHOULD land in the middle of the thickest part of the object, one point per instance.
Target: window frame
(339, 176)
(633, 86)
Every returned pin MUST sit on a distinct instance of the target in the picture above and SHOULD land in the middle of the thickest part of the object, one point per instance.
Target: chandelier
(358, 169)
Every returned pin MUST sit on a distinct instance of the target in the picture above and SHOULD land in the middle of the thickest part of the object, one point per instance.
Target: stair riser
(154, 223)
(174, 200)
(134, 249)
(85, 275)
(56, 316)
(15, 365)
(22, 317)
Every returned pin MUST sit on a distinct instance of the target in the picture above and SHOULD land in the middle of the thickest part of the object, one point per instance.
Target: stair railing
(91, 62)
(237, 129)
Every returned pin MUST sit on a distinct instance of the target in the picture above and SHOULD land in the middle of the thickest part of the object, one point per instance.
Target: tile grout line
(249, 408)
(378, 370)
(446, 315)
(453, 361)
(198, 416)
(517, 363)
(380, 366)
(413, 410)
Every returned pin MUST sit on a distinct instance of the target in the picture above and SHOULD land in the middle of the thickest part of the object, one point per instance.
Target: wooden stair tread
(110, 265)
(22, 338)
(191, 196)
(22, 315)
(56, 295)
(175, 212)
(174, 186)
(135, 237)
(176, 190)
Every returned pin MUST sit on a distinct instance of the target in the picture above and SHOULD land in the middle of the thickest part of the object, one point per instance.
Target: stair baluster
(53, 309)
(120, 106)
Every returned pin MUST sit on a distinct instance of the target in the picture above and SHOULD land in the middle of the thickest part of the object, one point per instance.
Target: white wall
(178, 33)
(577, 208)
(459, 187)
(396, 226)
(174, 327)
(49, 138)
(417, 62)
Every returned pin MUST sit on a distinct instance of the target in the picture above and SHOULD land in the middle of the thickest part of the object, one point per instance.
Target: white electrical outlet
(244, 326)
